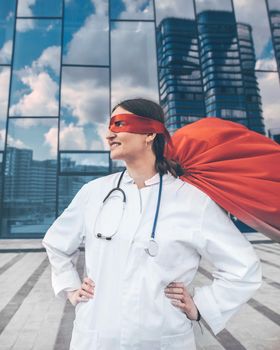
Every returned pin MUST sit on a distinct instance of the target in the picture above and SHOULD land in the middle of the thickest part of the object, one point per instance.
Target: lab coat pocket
(173, 254)
(178, 341)
(84, 339)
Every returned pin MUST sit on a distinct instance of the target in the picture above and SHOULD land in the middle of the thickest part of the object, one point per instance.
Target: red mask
(139, 125)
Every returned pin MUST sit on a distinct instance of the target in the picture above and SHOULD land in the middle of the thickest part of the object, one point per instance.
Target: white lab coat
(129, 310)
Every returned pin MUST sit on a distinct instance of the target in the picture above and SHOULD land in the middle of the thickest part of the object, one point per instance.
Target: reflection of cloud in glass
(9, 16)
(2, 135)
(35, 79)
(72, 137)
(258, 19)
(87, 159)
(127, 9)
(203, 5)
(26, 25)
(93, 28)
(26, 123)
(6, 52)
(43, 89)
(24, 8)
(50, 136)
(85, 94)
(134, 71)
(85, 108)
(274, 4)
(43, 8)
(176, 8)
(89, 137)
(4, 83)
(270, 92)
(34, 137)
(16, 143)
(7, 9)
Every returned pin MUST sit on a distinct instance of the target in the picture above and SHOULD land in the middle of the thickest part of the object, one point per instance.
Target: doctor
(143, 244)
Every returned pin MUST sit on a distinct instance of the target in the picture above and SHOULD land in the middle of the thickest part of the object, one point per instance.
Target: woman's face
(125, 145)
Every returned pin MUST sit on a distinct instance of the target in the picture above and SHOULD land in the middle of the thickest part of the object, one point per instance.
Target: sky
(137, 9)
(258, 19)
(4, 83)
(86, 34)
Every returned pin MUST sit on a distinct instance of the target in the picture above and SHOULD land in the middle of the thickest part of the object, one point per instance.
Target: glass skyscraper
(180, 78)
(65, 63)
(206, 68)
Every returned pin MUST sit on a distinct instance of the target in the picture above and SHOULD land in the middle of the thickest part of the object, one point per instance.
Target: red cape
(238, 168)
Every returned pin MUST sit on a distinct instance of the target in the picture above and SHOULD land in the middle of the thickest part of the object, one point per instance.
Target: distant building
(180, 80)
(17, 175)
(206, 68)
(274, 134)
(274, 17)
(29, 189)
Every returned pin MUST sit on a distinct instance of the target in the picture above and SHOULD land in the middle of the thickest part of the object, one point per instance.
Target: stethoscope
(152, 248)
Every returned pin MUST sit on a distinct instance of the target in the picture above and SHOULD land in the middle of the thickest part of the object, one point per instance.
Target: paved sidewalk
(32, 318)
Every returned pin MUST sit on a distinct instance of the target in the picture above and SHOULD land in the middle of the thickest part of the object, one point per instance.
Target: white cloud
(6, 52)
(274, 4)
(25, 10)
(9, 16)
(258, 19)
(134, 72)
(177, 8)
(26, 123)
(265, 64)
(50, 58)
(101, 7)
(51, 140)
(24, 7)
(24, 25)
(4, 83)
(134, 8)
(49, 27)
(2, 138)
(121, 91)
(270, 92)
(94, 32)
(72, 137)
(16, 143)
(89, 44)
(41, 101)
(101, 142)
(42, 98)
(85, 94)
(215, 5)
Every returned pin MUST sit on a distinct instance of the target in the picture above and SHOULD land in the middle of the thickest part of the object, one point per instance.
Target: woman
(139, 261)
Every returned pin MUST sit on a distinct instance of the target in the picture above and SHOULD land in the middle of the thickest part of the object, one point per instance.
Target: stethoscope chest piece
(152, 248)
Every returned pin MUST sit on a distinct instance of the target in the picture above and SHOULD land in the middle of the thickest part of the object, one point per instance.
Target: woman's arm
(238, 271)
(62, 242)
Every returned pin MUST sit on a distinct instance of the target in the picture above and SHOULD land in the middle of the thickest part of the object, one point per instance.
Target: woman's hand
(84, 293)
(180, 297)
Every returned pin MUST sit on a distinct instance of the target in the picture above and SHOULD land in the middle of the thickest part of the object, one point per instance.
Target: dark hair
(150, 109)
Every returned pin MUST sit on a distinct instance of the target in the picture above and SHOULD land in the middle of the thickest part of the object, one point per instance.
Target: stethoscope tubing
(99, 235)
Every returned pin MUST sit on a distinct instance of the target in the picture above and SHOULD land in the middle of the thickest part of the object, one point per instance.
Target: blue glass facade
(64, 64)
(206, 68)
(180, 77)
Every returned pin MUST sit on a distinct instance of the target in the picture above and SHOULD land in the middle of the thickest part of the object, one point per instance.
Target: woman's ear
(150, 137)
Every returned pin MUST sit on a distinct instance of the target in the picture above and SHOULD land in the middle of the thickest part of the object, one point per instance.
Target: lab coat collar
(152, 181)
